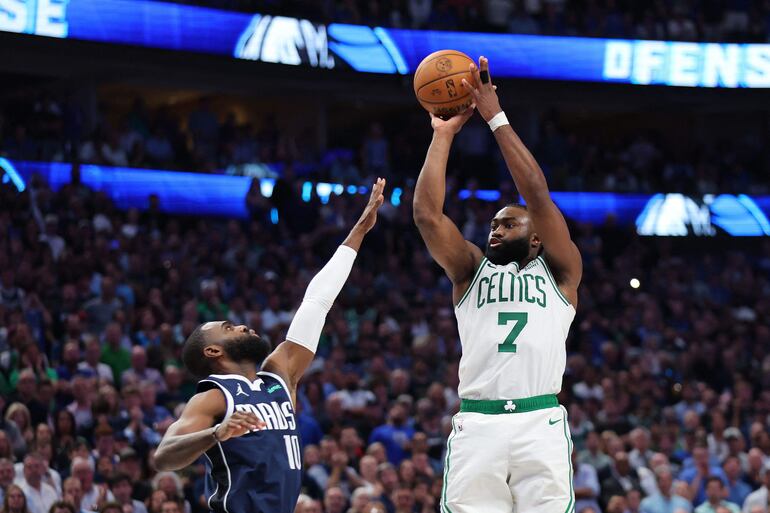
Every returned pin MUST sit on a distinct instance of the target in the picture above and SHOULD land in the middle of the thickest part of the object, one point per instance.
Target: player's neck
(246, 369)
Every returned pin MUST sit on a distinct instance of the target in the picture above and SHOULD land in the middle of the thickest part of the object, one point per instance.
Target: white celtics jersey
(513, 326)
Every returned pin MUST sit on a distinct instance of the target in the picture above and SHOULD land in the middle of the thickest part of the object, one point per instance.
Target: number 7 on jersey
(520, 320)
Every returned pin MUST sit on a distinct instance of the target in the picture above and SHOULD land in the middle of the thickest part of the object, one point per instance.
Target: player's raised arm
(193, 434)
(291, 358)
(458, 257)
(550, 226)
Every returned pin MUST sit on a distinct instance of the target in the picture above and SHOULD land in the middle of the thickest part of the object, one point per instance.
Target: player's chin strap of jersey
(305, 328)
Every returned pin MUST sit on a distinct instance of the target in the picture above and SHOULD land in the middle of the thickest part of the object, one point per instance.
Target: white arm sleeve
(305, 328)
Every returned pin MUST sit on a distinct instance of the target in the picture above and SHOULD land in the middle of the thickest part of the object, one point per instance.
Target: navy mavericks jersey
(259, 472)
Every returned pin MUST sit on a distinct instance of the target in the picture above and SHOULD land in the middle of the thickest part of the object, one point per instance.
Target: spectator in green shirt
(113, 353)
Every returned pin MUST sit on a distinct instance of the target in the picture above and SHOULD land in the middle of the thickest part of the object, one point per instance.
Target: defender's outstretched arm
(292, 357)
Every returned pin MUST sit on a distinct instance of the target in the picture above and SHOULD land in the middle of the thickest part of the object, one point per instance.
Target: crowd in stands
(742, 21)
(205, 140)
(666, 385)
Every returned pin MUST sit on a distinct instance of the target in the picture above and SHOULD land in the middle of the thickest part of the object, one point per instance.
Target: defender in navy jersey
(242, 417)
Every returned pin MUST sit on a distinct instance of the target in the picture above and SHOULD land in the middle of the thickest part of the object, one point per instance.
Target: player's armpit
(191, 435)
(458, 257)
(290, 361)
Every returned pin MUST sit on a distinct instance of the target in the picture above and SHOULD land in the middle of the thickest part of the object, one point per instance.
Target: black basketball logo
(443, 64)
(450, 88)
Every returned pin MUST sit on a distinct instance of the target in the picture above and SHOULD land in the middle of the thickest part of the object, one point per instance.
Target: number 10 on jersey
(503, 319)
(292, 451)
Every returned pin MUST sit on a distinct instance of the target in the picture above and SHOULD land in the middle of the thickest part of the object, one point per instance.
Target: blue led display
(293, 41)
(223, 195)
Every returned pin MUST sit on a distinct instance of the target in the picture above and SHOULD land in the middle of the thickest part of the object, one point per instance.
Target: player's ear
(212, 351)
(534, 241)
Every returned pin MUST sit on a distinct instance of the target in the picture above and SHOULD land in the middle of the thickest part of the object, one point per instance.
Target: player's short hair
(192, 354)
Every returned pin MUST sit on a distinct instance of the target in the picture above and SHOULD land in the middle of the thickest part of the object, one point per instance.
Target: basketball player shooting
(242, 416)
(510, 446)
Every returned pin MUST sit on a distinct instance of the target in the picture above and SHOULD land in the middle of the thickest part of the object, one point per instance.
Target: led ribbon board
(223, 195)
(294, 41)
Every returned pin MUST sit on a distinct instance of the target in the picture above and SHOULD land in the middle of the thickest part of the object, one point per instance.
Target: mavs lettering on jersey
(259, 472)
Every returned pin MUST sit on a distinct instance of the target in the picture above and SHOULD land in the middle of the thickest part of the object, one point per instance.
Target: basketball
(438, 83)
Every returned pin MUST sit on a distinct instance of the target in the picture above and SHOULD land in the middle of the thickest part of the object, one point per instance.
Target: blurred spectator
(139, 371)
(101, 309)
(120, 486)
(91, 364)
(738, 489)
(665, 500)
(641, 454)
(394, 435)
(7, 475)
(714, 498)
(619, 478)
(40, 495)
(701, 470)
(759, 498)
(15, 500)
(334, 500)
(93, 495)
(585, 484)
(113, 354)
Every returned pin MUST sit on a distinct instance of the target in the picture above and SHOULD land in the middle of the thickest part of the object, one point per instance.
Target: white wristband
(498, 120)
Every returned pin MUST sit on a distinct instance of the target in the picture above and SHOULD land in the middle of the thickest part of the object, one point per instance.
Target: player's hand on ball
(376, 199)
(483, 92)
(238, 424)
(453, 124)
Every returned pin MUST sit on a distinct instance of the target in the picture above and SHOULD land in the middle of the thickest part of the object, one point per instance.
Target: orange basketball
(438, 83)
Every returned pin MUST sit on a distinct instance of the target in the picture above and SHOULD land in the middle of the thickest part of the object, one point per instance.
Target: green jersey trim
(571, 504)
(473, 281)
(447, 459)
(553, 281)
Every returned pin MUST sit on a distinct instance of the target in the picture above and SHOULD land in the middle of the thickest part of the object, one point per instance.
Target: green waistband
(496, 407)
